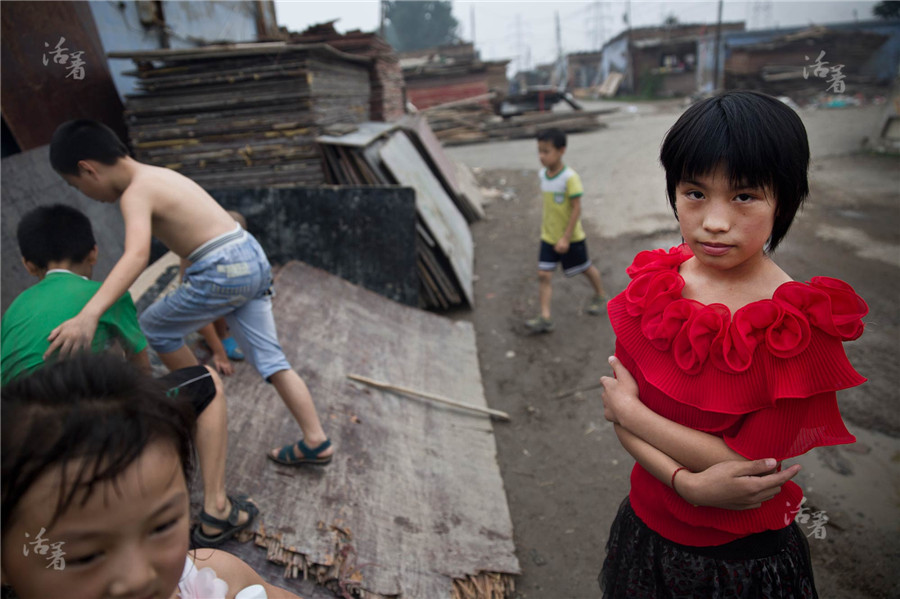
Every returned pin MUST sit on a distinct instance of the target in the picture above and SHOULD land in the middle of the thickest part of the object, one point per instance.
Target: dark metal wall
(35, 97)
(365, 235)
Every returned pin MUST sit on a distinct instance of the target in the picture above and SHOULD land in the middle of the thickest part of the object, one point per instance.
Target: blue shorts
(574, 262)
(231, 277)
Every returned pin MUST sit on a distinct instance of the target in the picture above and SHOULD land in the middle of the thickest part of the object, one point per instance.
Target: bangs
(714, 139)
(716, 144)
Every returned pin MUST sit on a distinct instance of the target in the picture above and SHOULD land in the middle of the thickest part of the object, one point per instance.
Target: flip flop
(286, 457)
(229, 527)
(231, 349)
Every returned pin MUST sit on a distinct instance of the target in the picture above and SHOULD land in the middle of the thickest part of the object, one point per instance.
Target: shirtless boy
(229, 274)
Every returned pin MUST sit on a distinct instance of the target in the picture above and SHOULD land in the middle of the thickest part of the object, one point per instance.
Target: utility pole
(520, 50)
(558, 38)
(472, 21)
(629, 58)
(381, 18)
(716, 84)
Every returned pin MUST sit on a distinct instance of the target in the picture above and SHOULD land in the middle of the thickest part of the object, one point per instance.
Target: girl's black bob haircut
(84, 139)
(756, 138)
(90, 416)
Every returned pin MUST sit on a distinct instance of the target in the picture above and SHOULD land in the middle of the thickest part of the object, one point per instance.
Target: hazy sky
(527, 29)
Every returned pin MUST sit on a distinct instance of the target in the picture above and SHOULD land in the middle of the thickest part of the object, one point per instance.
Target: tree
(418, 25)
(890, 9)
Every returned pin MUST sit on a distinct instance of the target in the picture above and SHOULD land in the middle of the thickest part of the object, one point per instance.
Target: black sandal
(230, 526)
(286, 456)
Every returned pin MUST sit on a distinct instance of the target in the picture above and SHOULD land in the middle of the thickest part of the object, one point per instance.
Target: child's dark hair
(84, 139)
(91, 416)
(55, 233)
(555, 136)
(756, 138)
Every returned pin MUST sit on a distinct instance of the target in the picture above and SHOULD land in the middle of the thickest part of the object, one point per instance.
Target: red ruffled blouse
(763, 379)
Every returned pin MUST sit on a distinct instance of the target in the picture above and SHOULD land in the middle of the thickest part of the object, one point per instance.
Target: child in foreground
(229, 274)
(725, 366)
(96, 460)
(562, 236)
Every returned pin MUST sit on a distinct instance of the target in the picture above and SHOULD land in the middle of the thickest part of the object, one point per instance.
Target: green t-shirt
(41, 308)
(558, 192)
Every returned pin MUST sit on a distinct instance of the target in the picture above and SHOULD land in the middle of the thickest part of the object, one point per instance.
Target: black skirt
(640, 563)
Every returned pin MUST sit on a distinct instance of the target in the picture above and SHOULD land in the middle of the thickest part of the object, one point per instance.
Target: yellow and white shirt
(558, 192)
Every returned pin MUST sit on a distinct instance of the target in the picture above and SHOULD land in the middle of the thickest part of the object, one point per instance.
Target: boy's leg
(545, 291)
(593, 276)
(296, 396)
(547, 261)
(211, 440)
(576, 261)
(254, 327)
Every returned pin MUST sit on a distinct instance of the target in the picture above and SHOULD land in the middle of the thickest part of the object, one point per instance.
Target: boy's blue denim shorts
(233, 279)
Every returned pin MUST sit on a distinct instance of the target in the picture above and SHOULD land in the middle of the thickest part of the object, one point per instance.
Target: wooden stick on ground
(438, 398)
(579, 390)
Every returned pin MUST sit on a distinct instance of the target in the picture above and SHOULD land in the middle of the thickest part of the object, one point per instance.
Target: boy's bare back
(182, 215)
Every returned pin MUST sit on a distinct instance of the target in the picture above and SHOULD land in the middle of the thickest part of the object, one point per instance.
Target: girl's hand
(561, 246)
(620, 394)
(734, 485)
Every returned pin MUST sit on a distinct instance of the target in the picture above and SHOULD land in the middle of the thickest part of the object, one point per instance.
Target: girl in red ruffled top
(725, 367)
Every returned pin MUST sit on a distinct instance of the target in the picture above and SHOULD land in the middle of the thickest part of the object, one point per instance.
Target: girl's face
(726, 227)
(129, 540)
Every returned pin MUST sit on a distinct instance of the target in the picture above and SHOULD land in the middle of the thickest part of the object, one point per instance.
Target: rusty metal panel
(36, 97)
(424, 93)
(443, 219)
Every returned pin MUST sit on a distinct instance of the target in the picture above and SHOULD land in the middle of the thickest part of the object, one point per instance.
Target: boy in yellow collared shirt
(562, 236)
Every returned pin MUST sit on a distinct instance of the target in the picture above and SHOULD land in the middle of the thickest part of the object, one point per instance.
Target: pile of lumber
(243, 115)
(386, 76)
(474, 123)
(447, 197)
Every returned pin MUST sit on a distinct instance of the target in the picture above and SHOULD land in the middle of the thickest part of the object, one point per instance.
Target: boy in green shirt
(562, 236)
(57, 245)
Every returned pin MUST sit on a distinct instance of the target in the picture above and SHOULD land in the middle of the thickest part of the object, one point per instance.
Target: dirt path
(564, 470)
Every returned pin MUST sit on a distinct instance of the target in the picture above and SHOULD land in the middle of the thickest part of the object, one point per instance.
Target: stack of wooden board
(409, 155)
(462, 124)
(243, 115)
(386, 75)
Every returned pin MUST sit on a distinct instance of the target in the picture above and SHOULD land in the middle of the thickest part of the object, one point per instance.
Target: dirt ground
(563, 468)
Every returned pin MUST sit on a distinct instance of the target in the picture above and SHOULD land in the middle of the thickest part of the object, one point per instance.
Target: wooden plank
(469, 188)
(437, 210)
(365, 134)
(414, 493)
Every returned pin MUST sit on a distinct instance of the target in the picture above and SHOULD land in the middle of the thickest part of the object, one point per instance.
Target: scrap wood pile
(244, 114)
(473, 123)
(447, 198)
(386, 76)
